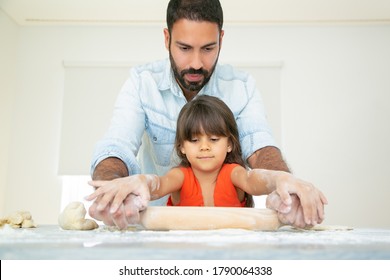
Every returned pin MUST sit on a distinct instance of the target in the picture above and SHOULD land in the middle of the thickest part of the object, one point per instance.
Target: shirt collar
(168, 82)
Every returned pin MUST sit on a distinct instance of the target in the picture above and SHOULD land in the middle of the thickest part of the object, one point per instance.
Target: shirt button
(154, 138)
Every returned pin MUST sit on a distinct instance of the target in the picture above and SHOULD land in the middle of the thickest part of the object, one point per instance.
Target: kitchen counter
(51, 242)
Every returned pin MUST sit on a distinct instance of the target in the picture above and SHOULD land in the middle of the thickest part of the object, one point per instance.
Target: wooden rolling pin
(206, 218)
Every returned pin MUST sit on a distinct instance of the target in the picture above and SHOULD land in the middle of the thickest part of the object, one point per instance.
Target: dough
(73, 218)
(3, 222)
(19, 219)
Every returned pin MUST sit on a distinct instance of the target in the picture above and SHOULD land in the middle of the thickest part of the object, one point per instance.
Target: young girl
(207, 143)
(211, 172)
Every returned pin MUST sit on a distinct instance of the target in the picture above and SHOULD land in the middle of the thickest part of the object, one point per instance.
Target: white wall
(335, 107)
(335, 100)
(8, 40)
(32, 176)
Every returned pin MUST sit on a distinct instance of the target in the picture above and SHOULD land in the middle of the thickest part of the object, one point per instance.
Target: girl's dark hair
(196, 10)
(210, 115)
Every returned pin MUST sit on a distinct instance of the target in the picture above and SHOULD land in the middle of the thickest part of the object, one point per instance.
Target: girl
(208, 145)
(211, 172)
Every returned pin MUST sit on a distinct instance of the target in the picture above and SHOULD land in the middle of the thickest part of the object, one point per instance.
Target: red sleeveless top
(225, 193)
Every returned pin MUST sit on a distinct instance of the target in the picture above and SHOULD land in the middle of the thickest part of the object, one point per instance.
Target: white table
(51, 242)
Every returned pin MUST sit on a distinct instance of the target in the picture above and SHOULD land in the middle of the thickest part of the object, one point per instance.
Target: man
(147, 107)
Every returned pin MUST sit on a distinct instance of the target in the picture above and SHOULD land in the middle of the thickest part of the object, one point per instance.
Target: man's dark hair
(196, 10)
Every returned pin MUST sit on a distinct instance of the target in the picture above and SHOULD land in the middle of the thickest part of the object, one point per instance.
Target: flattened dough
(73, 218)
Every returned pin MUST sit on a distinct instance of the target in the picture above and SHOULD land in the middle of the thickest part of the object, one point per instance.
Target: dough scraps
(19, 219)
(73, 218)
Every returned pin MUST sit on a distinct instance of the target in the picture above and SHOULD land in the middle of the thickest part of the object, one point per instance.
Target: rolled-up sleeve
(255, 133)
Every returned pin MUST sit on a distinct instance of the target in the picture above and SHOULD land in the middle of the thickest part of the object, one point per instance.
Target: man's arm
(268, 158)
(109, 169)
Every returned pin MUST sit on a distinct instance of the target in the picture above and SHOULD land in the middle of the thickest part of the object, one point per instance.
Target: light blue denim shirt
(143, 126)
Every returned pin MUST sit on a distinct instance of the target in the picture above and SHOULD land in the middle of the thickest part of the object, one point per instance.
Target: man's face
(193, 50)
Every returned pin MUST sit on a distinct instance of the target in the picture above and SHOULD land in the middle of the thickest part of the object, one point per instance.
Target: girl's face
(206, 152)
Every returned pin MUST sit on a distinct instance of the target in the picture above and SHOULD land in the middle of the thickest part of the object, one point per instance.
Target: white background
(334, 104)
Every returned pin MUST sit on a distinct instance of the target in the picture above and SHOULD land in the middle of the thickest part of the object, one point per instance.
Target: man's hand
(311, 200)
(298, 203)
(119, 201)
(127, 214)
(292, 213)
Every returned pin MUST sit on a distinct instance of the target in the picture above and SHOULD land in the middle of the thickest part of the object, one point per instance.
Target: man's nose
(196, 61)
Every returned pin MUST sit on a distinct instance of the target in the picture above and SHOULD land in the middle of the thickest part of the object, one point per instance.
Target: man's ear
(221, 38)
(166, 38)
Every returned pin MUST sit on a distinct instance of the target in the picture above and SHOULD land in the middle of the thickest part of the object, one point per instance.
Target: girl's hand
(118, 202)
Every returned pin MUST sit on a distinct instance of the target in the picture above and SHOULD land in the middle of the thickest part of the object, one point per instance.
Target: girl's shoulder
(177, 172)
(228, 167)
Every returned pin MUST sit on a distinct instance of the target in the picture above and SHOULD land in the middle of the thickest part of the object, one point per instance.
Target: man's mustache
(194, 71)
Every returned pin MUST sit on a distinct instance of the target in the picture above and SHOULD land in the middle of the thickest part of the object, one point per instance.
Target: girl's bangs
(205, 121)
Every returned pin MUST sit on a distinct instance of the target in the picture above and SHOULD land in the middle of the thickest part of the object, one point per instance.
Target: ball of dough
(73, 218)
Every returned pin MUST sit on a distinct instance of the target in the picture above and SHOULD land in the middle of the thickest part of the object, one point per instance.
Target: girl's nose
(204, 146)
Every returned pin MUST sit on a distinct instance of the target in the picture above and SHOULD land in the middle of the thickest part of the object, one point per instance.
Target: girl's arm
(254, 182)
(262, 181)
(169, 183)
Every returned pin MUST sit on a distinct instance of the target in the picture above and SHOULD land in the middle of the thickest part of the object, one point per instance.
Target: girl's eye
(193, 140)
(214, 139)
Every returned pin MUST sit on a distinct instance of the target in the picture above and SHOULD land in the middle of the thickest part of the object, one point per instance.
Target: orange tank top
(225, 193)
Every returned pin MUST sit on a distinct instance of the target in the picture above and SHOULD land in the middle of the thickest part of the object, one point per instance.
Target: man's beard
(191, 86)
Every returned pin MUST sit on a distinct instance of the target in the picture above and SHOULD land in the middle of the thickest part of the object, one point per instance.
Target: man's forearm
(109, 169)
(268, 158)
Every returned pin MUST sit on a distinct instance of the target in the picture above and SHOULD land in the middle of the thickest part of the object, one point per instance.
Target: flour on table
(330, 227)
(73, 218)
(19, 219)
(106, 228)
(326, 228)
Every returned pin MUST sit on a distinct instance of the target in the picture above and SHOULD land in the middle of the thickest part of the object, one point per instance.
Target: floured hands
(119, 202)
(293, 212)
(297, 202)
